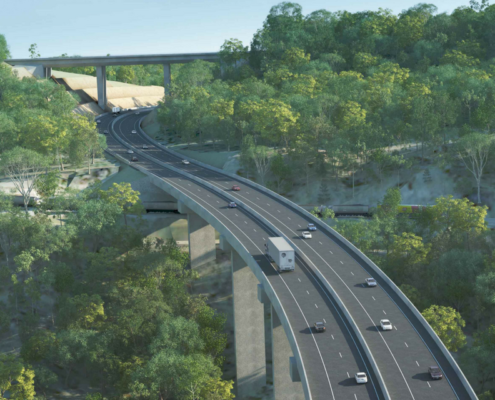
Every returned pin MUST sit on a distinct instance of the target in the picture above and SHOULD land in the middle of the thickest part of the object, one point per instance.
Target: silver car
(133, 131)
(130, 152)
(145, 146)
(306, 235)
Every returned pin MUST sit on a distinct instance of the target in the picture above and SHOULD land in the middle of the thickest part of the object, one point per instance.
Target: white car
(361, 377)
(133, 131)
(185, 162)
(306, 235)
(370, 282)
(130, 152)
(311, 227)
(386, 325)
(145, 146)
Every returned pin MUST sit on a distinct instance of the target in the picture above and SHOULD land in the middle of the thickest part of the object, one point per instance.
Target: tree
(47, 184)
(425, 120)
(280, 170)
(15, 378)
(125, 73)
(33, 51)
(23, 167)
(324, 194)
(447, 324)
(406, 253)
(122, 195)
(232, 51)
(474, 150)
(4, 49)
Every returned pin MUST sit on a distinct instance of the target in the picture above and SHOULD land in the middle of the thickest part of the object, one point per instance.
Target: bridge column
(286, 380)
(167, 78)
(101, 84)
(249, 330)
(47, 72)
(201, 238)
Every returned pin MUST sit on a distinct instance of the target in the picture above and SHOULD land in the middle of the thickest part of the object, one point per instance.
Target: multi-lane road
(330, 359)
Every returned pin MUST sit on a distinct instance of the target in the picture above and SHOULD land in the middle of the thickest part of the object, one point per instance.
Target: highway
(332, 358)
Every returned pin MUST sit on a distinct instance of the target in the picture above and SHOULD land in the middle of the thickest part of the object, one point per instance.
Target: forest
(326, 97)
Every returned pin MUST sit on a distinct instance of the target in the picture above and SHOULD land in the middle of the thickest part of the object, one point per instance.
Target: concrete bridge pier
(101, 85)
(249, 329)
(201, 238)
(167, 78)
(284, 370)
(47, 72)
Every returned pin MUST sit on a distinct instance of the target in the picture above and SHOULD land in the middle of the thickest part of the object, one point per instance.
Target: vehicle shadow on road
(307, 331)
(424, 376)
(348, 382)
(373, 328)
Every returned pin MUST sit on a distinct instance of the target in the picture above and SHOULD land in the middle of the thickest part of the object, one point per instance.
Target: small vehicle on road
(311, 227)
(185, 162)
(105, 131)
(306, 235)
(133, 131)
(99, 121)
(361, 377)
(386, 325)
(370, 282)
(232, 205)
(137, 112)
(236, 188)
(145, 146)
(435, 372)
(134, 158)
(130, 152)
(319, 327)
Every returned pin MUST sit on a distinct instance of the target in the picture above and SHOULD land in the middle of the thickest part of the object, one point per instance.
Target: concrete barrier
(352, 250)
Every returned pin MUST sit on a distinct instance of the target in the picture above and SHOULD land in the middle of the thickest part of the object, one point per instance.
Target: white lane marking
(332, 337)
(257, 198)
(199, 190)
(341, 262)
(278, 210)
(373, 297)
(316, 305)
(340, 354)
(384, 312)
(330, 251)
(355, 396)
(263, 238)
(320, 242)
(406, 344)
(352, 273)
(298, 279)
(218, 201)
(417, 363)
(245, 222)
(299, 226)
(208, 195)
(254, 229)
(289, 218)
(268, 204)
(189, 184)
(247, 192)
(324, 320)
(180, 179)
(428, 383)
(395, 327)
(348, 374)
(236, 215)
(307, 291)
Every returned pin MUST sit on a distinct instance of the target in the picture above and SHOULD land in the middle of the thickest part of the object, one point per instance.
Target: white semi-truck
(281, 253)
(115, 110)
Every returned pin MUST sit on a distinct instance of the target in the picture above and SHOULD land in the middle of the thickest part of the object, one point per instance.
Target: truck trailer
(280, 253)
(116, 110)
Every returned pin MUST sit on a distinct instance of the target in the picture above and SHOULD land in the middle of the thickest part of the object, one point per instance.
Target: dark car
(134, 158)
(236, 188)
(232, 205)
(435, 372)
(319, 327)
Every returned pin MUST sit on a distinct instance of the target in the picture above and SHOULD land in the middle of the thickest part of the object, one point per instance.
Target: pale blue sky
(118, 27)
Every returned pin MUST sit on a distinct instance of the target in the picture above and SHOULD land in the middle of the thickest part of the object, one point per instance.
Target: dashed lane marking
(373, 297)
(324, 320)
(298, 279)
(320, 242)
(406, 344)
(341, 262)
(417, 363)
(332, 337)
(352, 273)
(307, 291)
(340, 354)
(384, 312)
(428, 384)
(316, 305)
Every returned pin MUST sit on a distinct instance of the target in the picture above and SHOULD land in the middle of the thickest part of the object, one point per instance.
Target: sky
(121, 27)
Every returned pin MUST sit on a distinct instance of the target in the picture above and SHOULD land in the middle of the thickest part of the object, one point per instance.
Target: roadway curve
(330, 359)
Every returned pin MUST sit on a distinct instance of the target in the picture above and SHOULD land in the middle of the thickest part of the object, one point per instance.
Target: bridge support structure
(101, 86)
(167, 78)
(201, 237)
(249, 328)
(284, 370)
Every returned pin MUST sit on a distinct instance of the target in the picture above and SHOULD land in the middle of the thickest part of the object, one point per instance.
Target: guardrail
(351, 250)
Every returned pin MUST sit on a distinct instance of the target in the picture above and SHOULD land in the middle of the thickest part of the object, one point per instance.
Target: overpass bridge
(45, 65)
(327, 284)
